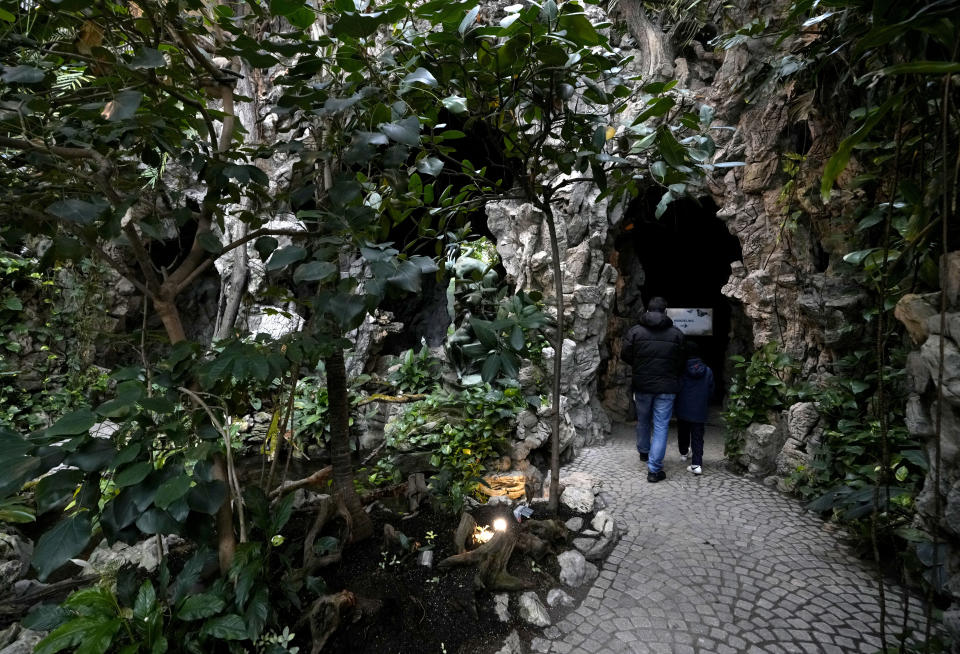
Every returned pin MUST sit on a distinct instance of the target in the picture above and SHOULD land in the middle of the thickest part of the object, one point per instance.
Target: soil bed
(424, 609)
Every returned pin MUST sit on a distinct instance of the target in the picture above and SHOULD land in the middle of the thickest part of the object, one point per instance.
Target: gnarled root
(491, 560)
(325, 616)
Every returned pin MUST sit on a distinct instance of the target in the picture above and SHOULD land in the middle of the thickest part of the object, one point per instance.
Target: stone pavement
(718, 564)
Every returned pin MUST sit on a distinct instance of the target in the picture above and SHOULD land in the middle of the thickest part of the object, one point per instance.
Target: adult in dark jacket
(690, 408)
(654, 349)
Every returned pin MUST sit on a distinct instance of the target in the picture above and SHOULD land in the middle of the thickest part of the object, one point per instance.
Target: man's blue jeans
(653, 414)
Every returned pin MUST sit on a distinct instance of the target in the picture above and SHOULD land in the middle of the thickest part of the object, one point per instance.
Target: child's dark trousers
(691, 434)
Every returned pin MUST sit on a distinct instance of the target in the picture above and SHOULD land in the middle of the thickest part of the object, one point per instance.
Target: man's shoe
(683, 457)
(654, 477)
(697, 470)
(644, 455)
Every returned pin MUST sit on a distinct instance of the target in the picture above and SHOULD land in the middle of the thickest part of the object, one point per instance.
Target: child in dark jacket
(690, 408)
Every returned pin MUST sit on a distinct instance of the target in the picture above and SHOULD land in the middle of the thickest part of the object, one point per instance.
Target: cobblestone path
(718, 564)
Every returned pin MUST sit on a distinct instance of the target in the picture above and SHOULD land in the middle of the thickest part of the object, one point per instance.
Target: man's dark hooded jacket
(654, 348)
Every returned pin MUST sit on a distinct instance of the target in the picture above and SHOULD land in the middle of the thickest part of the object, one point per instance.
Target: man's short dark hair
(657, 304)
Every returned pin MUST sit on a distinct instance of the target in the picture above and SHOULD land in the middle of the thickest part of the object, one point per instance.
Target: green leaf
(484, 332)
(75, 422)
(265, 245)
(516, 338)
(406, 131)
(54, 489)
(209, 242)
(157, 521)
(314, 271)
(281, 514)
(285, 256)
(455, 104)
(665, 201)
(46, 617)
(468, 20)
(922, 68)
(172, 490)
(13, 303)
(579, 29)
(838, 162)
(123, 106)
(22, 75)
(147, 58)
(145, 603)
(133, 474)
(207, 497)
(430, 166)
(62, 542)
(419, 76)
(203, 605)
(225, 627)
(257, 612)
(285, 7)
(6, 16)
(490, 368)
(93, 455)
(916, 457)
(75, 211)
(83, 635)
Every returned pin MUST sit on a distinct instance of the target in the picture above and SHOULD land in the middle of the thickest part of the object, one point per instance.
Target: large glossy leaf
(315, 271)
(285, 256)
(81, 635)
(157, 521)
(419, 76)
(17, 472)
(22, 74)
(579, 29)
(62, 542)
(93, 455)
(198, 607)
(75, 211)
(207, 497)
(406, 131)
(225, 627)
(55, 489)
(838, 162)
(468, 20)
(123, 106)
(922, 68)
(147, 58)
(172, 490)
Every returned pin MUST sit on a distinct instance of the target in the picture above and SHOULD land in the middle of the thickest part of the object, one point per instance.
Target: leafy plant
(758, 388)
(417, 372)
(461, 431)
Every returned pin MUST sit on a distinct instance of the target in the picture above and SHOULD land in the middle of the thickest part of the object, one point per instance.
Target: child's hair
(693, 350)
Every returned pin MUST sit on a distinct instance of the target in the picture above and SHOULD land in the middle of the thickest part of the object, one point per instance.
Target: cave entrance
(684, 257)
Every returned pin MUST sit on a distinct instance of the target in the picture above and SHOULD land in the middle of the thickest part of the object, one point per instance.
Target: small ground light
(500, 524)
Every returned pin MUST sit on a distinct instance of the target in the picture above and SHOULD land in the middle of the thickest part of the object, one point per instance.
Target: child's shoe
(697, 470)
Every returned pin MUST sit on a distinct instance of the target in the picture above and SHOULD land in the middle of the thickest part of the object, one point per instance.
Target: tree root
(316, 479)
(325, 615)
(534, 537)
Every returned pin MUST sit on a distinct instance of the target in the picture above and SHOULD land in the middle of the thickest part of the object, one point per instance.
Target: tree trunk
(170, 317)
(654, 51)
(554, 502)
(226, 539)
(233, 289)
(339, 412)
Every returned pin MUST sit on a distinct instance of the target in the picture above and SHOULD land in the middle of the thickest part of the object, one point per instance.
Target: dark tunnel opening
(684, 256)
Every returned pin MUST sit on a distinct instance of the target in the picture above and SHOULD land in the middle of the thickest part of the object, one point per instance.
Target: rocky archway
(684, 256)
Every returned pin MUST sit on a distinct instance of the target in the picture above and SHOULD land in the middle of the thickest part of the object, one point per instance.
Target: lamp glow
(500, 524)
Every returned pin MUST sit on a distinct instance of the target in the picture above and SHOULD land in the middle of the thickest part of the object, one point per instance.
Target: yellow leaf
(466, 450)
(610, 132)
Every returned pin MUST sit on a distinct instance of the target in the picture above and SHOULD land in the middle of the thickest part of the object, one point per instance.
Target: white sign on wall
(693, 322)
